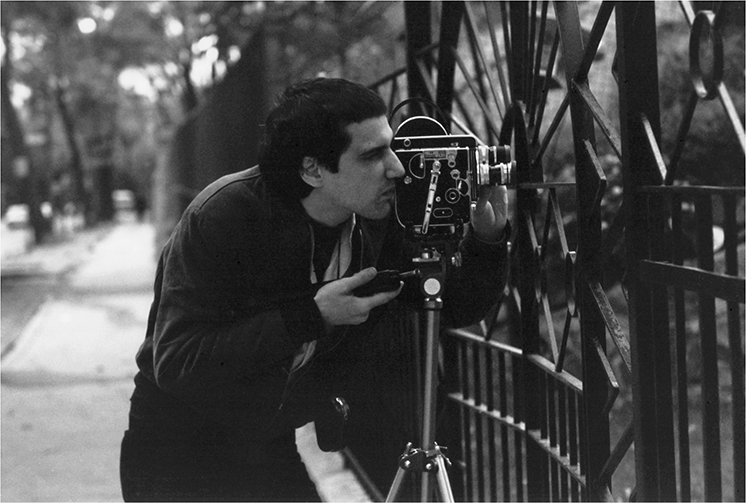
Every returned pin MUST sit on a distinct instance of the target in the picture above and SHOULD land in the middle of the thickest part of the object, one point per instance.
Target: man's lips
(389, 193)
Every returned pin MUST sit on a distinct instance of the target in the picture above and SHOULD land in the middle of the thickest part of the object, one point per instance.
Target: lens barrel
(493, 165)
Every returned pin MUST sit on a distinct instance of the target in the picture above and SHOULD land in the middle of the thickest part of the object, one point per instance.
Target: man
(254, 297)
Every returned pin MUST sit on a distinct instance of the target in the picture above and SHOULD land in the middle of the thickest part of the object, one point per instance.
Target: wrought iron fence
(614, 365)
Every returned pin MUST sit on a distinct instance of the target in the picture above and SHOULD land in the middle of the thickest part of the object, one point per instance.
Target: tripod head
(431, 269)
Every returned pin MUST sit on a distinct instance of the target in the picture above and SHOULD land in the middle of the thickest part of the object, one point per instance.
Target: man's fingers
(381, 298)
(360, 278)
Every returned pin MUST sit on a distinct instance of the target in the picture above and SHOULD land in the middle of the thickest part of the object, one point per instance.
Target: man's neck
(323, 213)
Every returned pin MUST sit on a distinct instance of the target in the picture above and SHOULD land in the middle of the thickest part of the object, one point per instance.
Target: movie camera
(443, 173)
(434, 198)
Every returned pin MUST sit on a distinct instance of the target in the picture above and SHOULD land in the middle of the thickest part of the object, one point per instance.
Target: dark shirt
(325, 241)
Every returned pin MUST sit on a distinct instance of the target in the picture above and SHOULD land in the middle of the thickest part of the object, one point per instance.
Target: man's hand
(339, 306)
(491, 213)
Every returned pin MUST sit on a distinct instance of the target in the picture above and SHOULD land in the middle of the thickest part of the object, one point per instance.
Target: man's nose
(394, 168)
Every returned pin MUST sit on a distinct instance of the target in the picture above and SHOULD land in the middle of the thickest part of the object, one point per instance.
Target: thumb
(361, 278)
(484, 198)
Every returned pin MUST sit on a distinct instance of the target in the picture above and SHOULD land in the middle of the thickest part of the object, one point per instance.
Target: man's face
(368, 169)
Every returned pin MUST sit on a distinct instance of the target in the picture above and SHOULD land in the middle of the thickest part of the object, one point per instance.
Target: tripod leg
(432, 325)
(425, 488)
(396, 484)
(444, 484)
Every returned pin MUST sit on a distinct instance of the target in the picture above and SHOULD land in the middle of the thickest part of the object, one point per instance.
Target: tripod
(430, 459)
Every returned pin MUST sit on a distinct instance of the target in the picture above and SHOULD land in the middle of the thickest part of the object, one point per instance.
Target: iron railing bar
(613, 390)
(480, 102)
(425, 75)
(520, 459)
(545, 231)
(543, 377)
(614, 233)
(503, 386)
(390, 77)
(681, 339)
(597, 33)
(612, 323)
(693, 190)
(470, 404)
(600, 175)
(479, 71)
(550, 325)
(553, 126)
(400, 71)
(600, 115)
(653, 146)
(557, 213)
(730, 110)
(552, 420)
(526, 48)
(573, 470)
(504, 17)
(393, 94)
(467, 116)
(565, 377)
(545, 90)
(531, 235)
(491, 433)
(539, 54)
(473, 33)
(559, 366)
(730, 228)
(504, 87)
(463, 386)
(573, 431)
(463, 127)
(689, 14)
(479, 423)
(563, 448)
(532, 57)
(562, 400)
(686, 122)
(504, 431)
(544, 297)
(721, 286)
(506, 462)
(708, 352)
(617, 455)
(479, 340)
(545, 185)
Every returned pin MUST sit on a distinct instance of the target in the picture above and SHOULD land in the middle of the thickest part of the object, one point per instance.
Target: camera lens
(499, 155)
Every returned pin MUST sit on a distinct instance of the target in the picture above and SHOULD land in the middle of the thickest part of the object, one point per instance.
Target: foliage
(181, 50)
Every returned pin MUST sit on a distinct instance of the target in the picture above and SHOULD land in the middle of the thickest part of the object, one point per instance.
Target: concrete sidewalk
(66, 383)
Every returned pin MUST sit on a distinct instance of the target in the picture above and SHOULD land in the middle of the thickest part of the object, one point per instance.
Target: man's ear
(311, 172)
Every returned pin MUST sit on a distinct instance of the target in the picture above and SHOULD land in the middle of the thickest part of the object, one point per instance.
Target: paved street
(78, 314)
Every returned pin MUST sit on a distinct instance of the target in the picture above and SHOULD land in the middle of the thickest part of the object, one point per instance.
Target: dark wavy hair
(309, 120)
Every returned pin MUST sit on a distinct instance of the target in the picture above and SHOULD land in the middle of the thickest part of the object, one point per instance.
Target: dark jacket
(234, 303)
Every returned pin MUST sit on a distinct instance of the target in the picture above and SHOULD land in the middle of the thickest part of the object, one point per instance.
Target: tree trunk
(80, 196)
(22, 172)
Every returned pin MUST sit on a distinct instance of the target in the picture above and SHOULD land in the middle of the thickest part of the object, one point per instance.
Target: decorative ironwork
(535, 388)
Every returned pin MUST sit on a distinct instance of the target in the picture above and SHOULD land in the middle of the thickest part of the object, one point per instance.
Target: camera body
(443, 174)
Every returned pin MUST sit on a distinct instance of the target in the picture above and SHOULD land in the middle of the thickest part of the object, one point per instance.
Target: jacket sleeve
(203, 335)
(476, 286)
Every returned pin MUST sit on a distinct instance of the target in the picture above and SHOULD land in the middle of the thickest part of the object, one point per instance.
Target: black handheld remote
(384, 281)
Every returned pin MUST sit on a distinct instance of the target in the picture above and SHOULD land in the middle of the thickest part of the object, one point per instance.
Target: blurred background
(93, 93)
